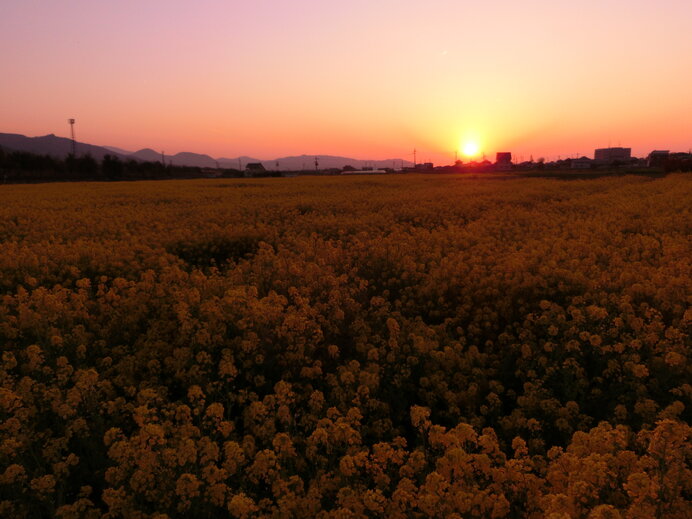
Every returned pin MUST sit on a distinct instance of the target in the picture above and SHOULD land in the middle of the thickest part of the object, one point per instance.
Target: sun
(471, 148)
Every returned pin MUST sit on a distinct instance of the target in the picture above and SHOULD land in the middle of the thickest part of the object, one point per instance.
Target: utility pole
(317, 164)
(414, 157)
(163, 159)
(74, 143)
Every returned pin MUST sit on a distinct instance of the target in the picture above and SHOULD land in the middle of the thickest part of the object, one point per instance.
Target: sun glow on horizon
(192, 85)
(471, 148)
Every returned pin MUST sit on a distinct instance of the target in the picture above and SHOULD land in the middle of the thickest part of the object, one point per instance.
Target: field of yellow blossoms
(347, 347)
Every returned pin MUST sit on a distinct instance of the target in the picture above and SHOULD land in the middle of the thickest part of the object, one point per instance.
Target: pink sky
(366, 79)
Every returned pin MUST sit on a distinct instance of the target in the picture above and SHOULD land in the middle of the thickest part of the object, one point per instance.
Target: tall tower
(74, 143)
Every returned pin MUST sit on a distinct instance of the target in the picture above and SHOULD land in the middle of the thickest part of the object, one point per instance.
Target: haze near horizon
(276, 78)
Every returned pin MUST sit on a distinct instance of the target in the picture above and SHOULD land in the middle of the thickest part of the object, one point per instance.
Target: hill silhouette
(52, 145)
(146, 154)
(186, 158)
(61, 147)
(120, 151)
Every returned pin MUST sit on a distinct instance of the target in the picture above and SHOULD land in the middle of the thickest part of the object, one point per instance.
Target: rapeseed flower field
(332, 347)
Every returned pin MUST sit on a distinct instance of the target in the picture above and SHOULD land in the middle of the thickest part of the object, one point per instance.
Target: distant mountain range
(50, 145)
(62, 147)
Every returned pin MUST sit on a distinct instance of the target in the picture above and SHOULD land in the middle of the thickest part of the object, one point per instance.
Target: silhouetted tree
(112, 167)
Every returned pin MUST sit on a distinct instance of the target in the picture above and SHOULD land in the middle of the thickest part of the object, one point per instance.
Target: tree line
(22, 166)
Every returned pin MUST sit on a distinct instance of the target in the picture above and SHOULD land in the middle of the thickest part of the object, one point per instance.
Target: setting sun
(471, 148)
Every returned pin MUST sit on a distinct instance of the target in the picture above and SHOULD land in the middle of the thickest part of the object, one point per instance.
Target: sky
(369, 79)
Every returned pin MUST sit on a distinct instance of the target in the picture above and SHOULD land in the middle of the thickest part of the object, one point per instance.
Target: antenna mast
(74, 143)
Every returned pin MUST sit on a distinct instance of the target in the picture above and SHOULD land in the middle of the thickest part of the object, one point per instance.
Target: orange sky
(365, 79)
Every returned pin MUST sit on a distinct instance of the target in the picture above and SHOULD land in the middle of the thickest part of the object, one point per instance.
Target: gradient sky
(360, 78)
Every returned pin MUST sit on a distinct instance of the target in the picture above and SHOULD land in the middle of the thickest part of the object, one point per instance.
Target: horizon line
(478, 157)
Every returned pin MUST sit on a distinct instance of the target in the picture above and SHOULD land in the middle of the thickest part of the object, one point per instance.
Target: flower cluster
(402, 347)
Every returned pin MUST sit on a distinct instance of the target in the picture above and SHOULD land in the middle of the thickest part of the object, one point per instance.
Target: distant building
(369, 171)
(503, 161)
(526, 165)
(581, 163)
(610, 155)
(657, 158)
(425, 166)
(254, 169)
